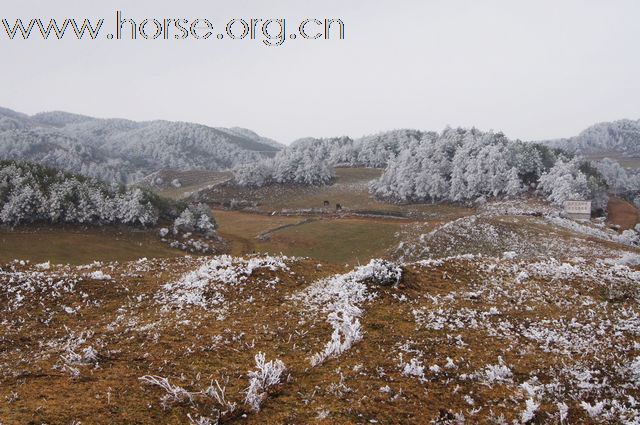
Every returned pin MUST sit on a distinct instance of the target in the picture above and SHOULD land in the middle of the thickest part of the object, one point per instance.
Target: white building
(578, 210)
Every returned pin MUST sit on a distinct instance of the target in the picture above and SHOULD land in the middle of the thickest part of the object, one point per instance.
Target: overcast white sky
(533, 69)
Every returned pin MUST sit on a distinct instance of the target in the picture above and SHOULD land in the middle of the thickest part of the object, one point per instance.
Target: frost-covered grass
(206, 286)
(530, 229)
(558, 315)
(484, 339)
(628, 237)
(341, 298)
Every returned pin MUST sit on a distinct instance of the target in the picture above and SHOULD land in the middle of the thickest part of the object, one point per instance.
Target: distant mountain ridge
(620, 137)
(121, 150)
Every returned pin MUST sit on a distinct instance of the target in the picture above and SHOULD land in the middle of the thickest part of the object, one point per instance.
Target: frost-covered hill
(272, 340)
(122, 150)
(613, 138)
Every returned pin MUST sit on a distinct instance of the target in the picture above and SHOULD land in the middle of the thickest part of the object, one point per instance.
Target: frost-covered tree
(296, 166)
(123, 151)
(256, 174)
(459, 165)
(131, 208)
(186, 222)
(617, 177)
(195, 218)
(573, 179)
(33, 193)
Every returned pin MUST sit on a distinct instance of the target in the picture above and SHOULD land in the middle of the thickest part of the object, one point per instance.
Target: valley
(188, 297)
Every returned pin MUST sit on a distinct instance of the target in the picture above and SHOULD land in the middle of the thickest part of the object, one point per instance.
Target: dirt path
(263, 236)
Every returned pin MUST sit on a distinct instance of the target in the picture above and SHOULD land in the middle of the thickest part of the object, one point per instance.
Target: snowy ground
(543, 327)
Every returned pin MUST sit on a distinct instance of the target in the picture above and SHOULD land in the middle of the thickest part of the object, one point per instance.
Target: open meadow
(76, 245)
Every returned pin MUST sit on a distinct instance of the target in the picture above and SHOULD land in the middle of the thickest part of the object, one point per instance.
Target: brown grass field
(625, 161)
(79, 246)
(622, 213)
(134, 336)
(335, 240)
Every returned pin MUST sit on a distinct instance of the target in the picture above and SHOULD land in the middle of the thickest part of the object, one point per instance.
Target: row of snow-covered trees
(373, 151)
(310, 161)
(295, 166)
(457, 165)
(31, 193)
(461, 165)
(619, 179)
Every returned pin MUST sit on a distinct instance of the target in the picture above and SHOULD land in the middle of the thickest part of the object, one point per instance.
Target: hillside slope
(122, 150)
(610, 138)
(162, 341)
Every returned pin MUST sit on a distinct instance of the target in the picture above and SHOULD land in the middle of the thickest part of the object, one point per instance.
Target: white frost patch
(628, 237)
(498, 373)
(509, 255)
(204, 287)
(341, 296)
(626, 259)
(593, 410)
(99, 275)
(531, 407)
(43, 266)
(413, 368)
(634, 370)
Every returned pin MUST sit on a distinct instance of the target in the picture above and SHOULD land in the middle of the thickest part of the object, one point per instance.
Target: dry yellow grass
(76, 245)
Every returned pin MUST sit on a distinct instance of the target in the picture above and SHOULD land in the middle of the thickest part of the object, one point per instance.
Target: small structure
(326, 204)
(578, 210)
(338, 207)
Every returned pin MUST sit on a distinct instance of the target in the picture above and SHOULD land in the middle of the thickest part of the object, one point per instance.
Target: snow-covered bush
(346, 332)
(204, 287)
(529, 413)
(173, 393)
(99, 275)
(413, 368)
(195, 218)
(266, 375)
(497, 373)
(340, 297)
(380, 272)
